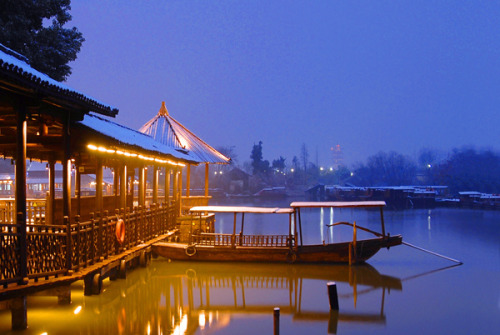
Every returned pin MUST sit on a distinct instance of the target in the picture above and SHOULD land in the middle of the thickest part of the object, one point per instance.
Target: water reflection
(189, 298)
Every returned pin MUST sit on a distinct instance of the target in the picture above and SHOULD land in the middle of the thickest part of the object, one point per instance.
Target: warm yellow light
(92, 147)
(101, 149)
(201, 319)
(77, 310)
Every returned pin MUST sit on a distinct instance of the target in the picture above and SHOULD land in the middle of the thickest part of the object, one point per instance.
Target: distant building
(337, 156)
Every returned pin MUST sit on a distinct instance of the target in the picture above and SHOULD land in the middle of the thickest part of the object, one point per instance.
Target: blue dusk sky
(368, 75)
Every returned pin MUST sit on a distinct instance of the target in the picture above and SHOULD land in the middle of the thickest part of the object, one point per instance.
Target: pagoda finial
(163, 109)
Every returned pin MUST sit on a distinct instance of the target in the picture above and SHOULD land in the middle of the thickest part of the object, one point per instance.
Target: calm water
(402, 290)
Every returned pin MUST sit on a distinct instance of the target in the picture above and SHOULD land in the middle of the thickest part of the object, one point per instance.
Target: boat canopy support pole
(300, 228)
(233, 239)
(382, 221)
(242, 225)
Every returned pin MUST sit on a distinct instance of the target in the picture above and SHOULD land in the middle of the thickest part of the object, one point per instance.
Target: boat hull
(329, 253)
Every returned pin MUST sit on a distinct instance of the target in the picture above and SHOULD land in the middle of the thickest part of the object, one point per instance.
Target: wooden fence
(53, 250)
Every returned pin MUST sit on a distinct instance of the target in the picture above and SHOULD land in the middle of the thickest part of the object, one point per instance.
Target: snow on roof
(17, 68)
(167, 130)
(241, 209)
(337, 204)
(130, 137)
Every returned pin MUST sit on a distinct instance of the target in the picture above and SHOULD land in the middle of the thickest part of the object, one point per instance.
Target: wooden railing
(55, 249)
(243, 240)
(35, 211)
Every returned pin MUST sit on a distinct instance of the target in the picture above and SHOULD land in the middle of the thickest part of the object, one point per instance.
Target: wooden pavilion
(167, 130)
(46, 121)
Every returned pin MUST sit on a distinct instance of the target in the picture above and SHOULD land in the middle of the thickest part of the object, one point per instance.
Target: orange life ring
(120, 231)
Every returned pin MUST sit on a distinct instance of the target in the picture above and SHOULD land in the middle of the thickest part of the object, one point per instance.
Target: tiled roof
(14, 69)
(165, 129)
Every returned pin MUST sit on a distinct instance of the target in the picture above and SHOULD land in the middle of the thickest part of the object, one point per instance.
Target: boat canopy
(241, 209)
(337, 204)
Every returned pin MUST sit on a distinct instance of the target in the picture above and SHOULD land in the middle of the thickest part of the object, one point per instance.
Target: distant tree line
(463, 169)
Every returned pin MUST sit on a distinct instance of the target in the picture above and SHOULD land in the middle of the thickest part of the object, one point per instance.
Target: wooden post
(69, 245)
(175, 190)
(167, 186)
(142, 186)
(21, 139)
(98, 185)
(206, 180)
(180, 191)
(78, 189)
(333, 296)
(116, 185)
(155, 184)
(130, 198)
(188, 180)
(300, 227)
(49, 209)
(382, 221)
(123, 186)
(276, 318)
(66, 189)
(233, 239)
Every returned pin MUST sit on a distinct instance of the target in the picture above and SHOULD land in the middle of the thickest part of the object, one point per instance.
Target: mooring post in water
(333, 296)
(276, 321)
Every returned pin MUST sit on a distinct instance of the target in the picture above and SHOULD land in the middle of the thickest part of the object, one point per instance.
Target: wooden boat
(210, 246)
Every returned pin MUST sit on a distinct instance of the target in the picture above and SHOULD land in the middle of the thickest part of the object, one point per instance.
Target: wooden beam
(21, 189)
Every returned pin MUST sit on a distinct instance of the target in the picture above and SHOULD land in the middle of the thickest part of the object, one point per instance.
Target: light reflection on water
(400, 291)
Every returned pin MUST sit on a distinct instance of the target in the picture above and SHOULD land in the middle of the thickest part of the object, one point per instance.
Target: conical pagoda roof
(165, 129)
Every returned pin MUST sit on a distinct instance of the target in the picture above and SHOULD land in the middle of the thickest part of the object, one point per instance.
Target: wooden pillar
(50, 209)
(21, 138)
(155, 184)
(78, 188)
(188, 180)
(66, 187)
(180, 191)
(167, 185)
(116, 185)
(98, 186)
(206, 179)
(142, 186)
(175, 189)
(123, 186)
(130, 198)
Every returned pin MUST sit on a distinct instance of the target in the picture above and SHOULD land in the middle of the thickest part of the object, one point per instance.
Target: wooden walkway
(110, 267)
